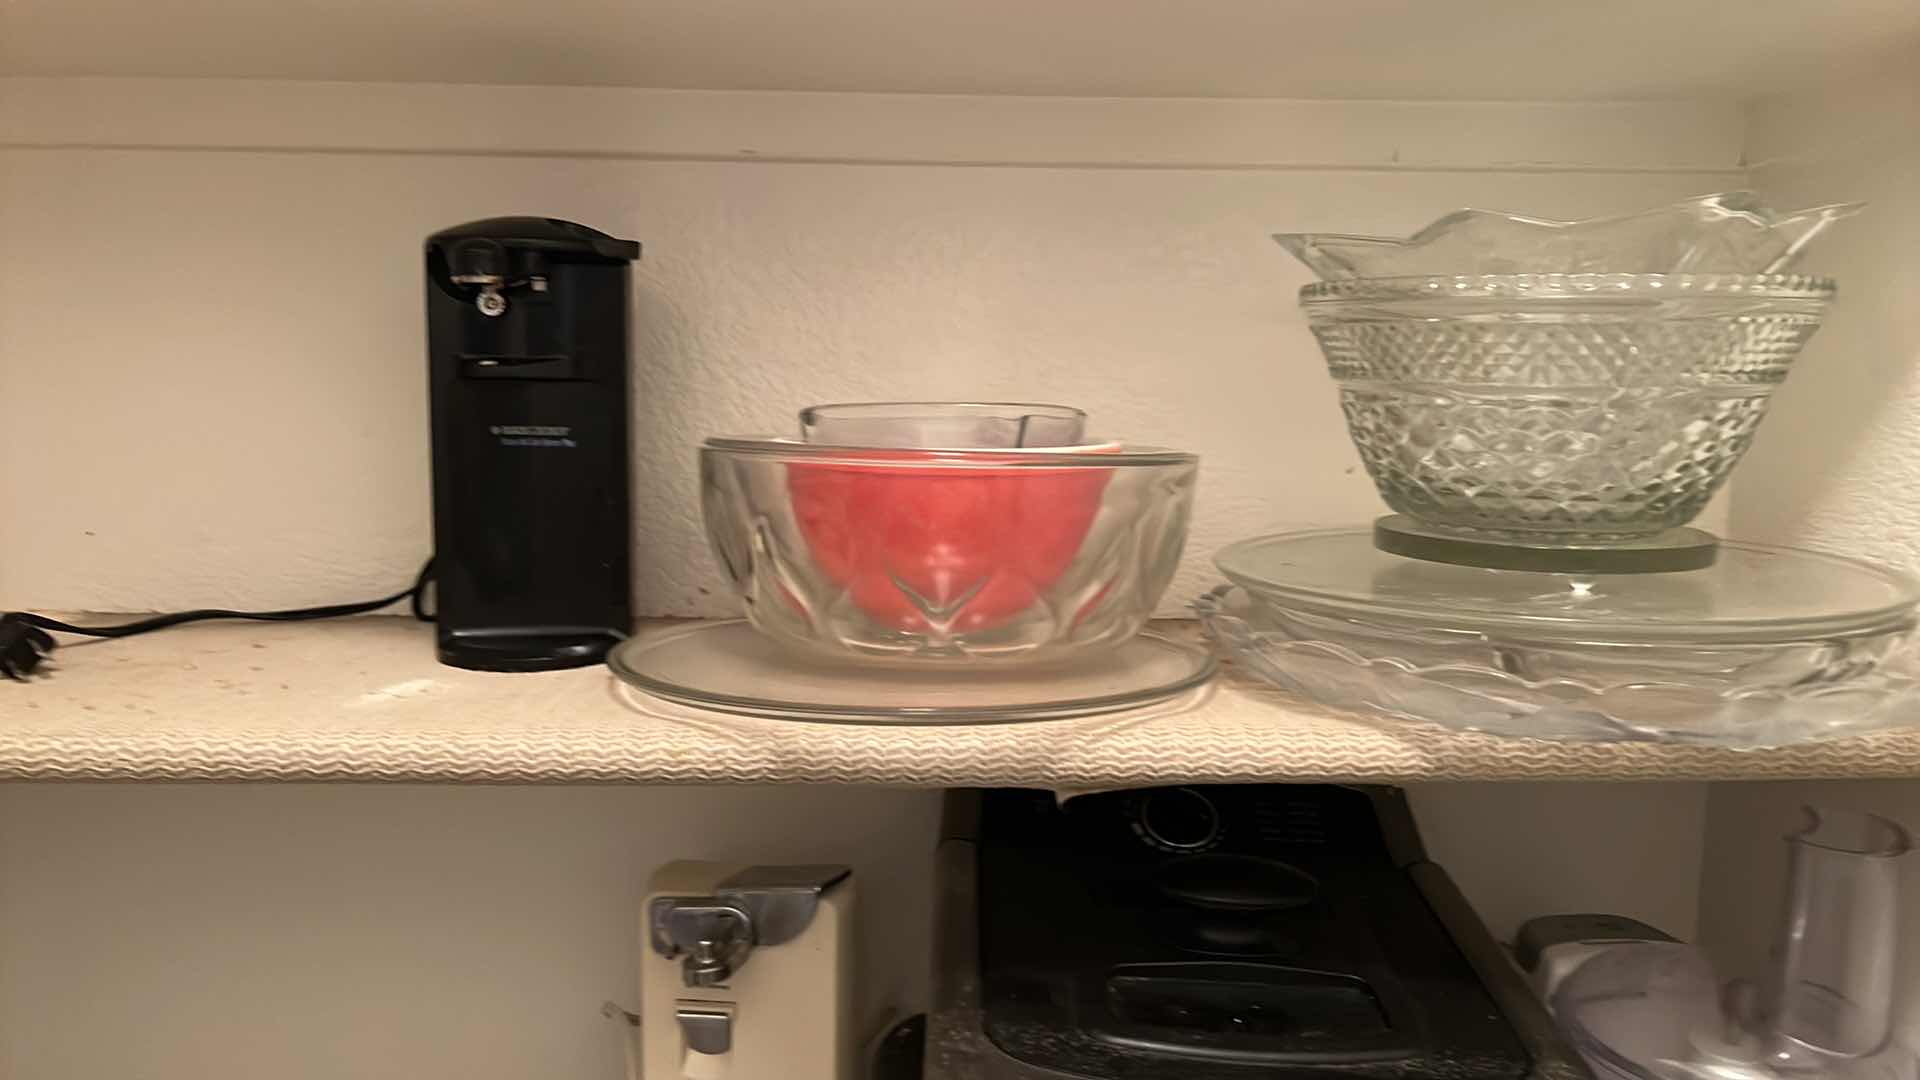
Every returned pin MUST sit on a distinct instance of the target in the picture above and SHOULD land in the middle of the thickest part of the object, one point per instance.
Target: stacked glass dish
(1547, 406)
(934, 561)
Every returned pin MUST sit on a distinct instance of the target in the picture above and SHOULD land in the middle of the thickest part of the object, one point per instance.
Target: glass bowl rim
(1043, 407)
(855, 412)
(774, 448)
(1577, 287)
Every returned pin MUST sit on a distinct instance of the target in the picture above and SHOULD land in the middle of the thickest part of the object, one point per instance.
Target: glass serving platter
(1767, 647)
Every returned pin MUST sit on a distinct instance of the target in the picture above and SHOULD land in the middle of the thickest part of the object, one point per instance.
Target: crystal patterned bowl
(1588, 407)
(945, 556)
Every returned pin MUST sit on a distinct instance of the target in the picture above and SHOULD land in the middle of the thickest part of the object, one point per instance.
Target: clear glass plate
(730, 667)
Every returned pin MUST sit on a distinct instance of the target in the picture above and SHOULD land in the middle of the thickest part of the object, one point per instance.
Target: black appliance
(1212, 933)
(527, 354)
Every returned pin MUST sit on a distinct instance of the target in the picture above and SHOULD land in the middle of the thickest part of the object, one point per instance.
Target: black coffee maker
(1230, 932)
(527, 357)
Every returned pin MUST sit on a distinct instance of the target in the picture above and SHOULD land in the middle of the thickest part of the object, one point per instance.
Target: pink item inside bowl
(943, 548)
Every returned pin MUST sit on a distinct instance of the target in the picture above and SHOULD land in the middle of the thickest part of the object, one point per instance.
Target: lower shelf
(364, 700)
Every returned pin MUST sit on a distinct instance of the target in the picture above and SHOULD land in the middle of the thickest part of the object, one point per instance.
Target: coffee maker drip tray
(1259, 1004)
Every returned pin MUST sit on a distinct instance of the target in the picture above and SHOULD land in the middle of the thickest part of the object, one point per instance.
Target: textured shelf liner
(363, 699)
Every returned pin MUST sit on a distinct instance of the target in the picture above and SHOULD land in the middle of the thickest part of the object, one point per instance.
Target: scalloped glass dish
(1730, 232)
(1524, 381)
(1738, 696)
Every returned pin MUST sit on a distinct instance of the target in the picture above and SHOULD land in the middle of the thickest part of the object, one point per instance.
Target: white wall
(176, 932)
(1522, 850)
(1837, 465)
(213, 357)
(1840, 451)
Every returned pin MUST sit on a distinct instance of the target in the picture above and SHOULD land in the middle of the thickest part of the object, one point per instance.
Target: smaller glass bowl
(956, 425)
(945, 556)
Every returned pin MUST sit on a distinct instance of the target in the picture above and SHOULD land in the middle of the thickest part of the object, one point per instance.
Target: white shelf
(364, 700)
(1471, 50)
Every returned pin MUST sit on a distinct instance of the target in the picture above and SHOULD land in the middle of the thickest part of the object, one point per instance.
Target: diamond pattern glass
(1586, 406)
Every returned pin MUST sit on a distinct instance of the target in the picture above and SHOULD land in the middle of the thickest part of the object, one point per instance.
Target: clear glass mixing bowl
(945, 556)
(1582, 406)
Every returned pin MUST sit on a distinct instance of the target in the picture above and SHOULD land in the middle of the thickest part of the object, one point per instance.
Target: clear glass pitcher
(1830, 1000)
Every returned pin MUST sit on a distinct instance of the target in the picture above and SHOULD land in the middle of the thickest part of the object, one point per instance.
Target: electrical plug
(22, 646)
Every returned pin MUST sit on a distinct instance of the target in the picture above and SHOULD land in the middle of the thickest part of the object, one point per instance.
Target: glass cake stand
(1764, 647)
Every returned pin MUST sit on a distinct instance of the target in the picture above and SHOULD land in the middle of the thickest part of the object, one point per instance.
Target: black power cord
(25, 641)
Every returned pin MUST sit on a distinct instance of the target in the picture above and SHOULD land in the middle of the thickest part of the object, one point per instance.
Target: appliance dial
(1177, 819)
